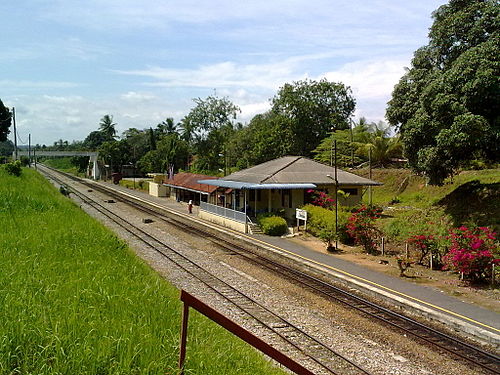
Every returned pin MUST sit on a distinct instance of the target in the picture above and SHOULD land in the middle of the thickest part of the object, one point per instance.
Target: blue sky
(66, 63)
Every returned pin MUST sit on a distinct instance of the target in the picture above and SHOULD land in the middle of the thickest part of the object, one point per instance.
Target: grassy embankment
(471, 197)
(64, 164)
(75, 300)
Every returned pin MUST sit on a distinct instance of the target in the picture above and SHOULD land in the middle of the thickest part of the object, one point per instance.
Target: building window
(350, 191)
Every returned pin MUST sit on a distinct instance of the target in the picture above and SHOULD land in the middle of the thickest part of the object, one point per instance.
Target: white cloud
(135, 97)
(224, 74)
(25, 84)
(370, 79)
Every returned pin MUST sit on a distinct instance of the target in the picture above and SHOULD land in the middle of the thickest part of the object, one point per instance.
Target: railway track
(314, 354)
(470, 354)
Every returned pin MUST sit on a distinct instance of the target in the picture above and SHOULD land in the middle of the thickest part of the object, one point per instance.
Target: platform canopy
(289, 172)
(251, 186)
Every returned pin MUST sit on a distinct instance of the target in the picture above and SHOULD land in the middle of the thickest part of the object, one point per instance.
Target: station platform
(472, 320)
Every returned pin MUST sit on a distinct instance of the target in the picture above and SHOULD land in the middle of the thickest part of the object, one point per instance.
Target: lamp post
(336, 195)
(331, 148)
(351, 123)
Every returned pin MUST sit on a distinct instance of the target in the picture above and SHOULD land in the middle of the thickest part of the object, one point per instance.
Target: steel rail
(314, 350)
(452, 345)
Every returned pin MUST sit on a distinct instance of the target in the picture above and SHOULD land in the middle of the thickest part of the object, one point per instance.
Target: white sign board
(301, 214)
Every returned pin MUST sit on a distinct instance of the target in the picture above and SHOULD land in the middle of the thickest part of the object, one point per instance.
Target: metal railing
(224, 212)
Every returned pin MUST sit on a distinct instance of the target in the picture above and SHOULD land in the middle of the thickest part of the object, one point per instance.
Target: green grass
(138, 185)
(74, 299)
(412, 190)
(470, 198)
(64, 164)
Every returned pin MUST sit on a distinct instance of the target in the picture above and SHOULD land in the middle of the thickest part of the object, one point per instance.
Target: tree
(94, 140)
(209, 126)
(266, 137)
(107, 127)
(365, 137)
(6, 148)
(115, 154)
(377, 144)
(171, 151)
(5, 122)
(166, 127)
(313, 108)
(446, 105)
(138, 143)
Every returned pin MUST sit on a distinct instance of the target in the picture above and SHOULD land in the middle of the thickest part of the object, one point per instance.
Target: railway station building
(184, 187)
(280, 185)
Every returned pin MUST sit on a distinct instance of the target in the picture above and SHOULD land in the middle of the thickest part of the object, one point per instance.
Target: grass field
(64, 164)
(74, 299)
(471, 197)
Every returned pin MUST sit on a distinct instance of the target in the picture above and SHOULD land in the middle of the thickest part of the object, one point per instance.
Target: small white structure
(157, 190)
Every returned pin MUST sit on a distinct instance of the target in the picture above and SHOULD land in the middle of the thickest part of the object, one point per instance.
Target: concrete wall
(157, 190)
(228, 223)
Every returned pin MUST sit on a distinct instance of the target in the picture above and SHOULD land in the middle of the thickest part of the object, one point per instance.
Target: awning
(184, 188)
(252, 186)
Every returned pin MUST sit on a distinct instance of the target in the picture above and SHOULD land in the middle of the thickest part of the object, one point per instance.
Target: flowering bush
(472, 252)
(322, 199)
(426, 244)
(360, 226)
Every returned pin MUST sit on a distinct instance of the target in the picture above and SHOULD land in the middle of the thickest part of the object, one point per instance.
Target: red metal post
(182, 353)
(242, 333)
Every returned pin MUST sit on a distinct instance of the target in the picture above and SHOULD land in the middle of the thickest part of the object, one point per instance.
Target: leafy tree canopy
(313, 108)
(365, 137)
(446, 105)
(115, 154)
(6, 148)
(208, 127)
(5, 122)
(266, 137)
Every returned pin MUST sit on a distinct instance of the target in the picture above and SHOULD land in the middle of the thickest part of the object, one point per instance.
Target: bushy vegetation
(321, 223)
(273, 225)
(139, 184)
(75, 300)
(472, 252)
(361, 226)
(14, 168)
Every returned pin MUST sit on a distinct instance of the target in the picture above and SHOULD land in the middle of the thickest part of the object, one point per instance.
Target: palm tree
(377, 139)
(107, 127)
(167, 127)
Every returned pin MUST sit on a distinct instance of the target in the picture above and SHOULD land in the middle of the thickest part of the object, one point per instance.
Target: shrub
(14, 168)
(322, 199)
(321, 223)
(25, 161)
(472, 252)
(273, 225)
(425, 244)
(361, 226)
(433, 221)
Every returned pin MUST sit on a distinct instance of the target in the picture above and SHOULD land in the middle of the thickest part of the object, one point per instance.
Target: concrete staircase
(254, 228)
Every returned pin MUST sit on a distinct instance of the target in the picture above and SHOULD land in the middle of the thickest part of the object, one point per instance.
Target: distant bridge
(93, 155)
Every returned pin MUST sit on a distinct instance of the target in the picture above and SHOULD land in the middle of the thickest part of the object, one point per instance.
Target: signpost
(301, 215)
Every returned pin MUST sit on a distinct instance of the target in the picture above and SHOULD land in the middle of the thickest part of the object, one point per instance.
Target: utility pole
(352, 146)
(336, 202)
(370, 173)
(29, 150)
(15, 133)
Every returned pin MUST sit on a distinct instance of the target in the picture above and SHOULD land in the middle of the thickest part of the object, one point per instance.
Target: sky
(67, 63)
